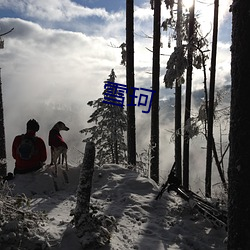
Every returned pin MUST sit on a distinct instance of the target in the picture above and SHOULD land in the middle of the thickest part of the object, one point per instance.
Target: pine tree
(108, 132)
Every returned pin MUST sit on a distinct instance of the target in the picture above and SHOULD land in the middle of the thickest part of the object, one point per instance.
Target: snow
(141, 221)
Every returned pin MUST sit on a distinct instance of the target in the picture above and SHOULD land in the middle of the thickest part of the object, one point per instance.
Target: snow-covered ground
(141, 221)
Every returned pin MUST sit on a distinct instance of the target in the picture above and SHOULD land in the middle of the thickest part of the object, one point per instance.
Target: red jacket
(55, 139)
(37, 159)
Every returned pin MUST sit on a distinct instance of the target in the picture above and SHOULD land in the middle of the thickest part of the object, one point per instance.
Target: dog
(57, 152)
(58, 146)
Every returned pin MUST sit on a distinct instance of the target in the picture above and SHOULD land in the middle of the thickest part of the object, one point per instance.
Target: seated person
(29, 150)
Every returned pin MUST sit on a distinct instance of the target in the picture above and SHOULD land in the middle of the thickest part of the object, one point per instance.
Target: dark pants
(25, 171)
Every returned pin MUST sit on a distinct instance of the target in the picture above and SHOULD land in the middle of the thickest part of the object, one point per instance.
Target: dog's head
(61, 126)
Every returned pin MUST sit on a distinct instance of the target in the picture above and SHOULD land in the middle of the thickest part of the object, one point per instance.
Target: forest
(216, 115)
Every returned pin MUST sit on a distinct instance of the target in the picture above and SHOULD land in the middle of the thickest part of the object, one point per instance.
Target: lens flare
(188, 3)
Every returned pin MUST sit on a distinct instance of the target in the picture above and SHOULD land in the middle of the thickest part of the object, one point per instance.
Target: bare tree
(3, 162)
(93, 230)
(84, 186)
(210, 139)
(131, 131)
(154, 169)
(239, 159)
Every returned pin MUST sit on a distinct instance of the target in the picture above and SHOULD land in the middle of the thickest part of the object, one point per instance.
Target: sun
(188, 3)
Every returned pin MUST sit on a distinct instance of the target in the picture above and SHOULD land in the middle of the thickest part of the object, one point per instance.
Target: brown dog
(58, 146)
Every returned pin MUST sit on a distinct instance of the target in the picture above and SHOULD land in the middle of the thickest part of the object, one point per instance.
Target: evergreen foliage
(108, 132)
(177, 62)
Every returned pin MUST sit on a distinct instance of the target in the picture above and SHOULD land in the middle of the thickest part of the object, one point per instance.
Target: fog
(51, 69)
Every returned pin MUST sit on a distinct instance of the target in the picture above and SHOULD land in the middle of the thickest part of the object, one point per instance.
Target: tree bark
(211, 103)
(93, 229)
(131, 131)
(178, 158)
(239, 159)
(154, 168)
(3, 161)
(218, 164)
(188, 97)
(83, 193)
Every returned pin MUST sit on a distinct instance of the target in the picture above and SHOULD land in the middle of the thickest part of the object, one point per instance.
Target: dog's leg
(59, 159)
(56, 170)
(66, 161)
(51, 155)
(63, 157)
(55, 158)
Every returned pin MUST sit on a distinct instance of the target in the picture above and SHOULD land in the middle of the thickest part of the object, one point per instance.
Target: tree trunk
(178, 100)
(239, 159)
(131, 131)
(218, 164)
(211, 103)
(154, 168)
(188, 98)
(116, 152)
(3, 162)
(115, 140)
(81, 215)
(94, 231)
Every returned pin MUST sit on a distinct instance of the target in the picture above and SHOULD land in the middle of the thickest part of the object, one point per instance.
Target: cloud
(46, 71)
(56, 10)
(143, 12)
(205, 13)
(55, 63)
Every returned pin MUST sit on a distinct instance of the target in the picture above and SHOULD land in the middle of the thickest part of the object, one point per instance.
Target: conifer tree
(108, 132)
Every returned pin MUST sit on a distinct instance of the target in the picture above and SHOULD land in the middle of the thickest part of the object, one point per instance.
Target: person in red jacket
(29, 150)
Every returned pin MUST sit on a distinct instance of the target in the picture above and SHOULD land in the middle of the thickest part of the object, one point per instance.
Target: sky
(60, 53)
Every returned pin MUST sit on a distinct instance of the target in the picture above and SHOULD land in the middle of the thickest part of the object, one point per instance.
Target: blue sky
(108, 5)
(67, 14)
(61, 51)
